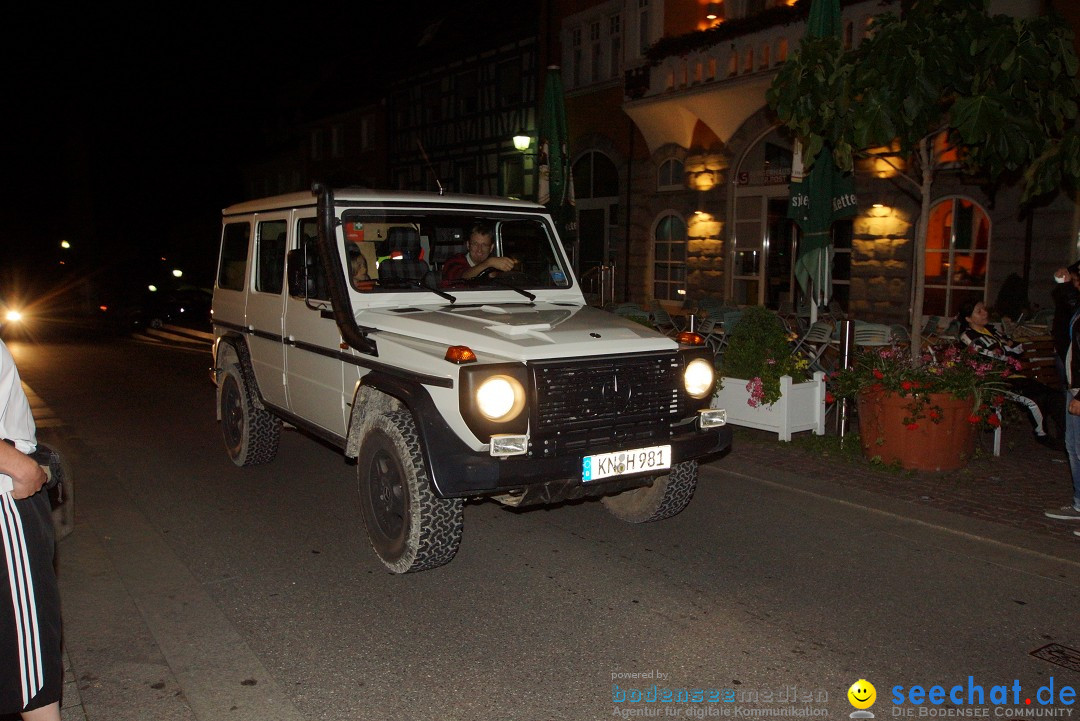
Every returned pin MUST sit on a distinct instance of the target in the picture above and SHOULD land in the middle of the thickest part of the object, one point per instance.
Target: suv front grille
(612, 400)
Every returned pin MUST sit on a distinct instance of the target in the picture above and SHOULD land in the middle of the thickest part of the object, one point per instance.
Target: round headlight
(13, 316)
(699, 378)
(500, 398)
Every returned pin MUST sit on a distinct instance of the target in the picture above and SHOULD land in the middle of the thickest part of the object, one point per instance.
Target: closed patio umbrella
(556, 187)
(823, 196)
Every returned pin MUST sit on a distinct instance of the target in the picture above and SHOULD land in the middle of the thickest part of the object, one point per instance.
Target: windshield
(392, 252)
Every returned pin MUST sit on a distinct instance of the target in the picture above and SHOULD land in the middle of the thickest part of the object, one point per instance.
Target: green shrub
(759, 350)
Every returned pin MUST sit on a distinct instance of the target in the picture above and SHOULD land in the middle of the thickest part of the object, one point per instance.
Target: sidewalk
(1011, 490)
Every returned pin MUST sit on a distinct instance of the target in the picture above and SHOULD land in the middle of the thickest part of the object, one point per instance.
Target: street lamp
(522, 142)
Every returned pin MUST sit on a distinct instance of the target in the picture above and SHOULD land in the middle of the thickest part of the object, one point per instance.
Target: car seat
(401, 257)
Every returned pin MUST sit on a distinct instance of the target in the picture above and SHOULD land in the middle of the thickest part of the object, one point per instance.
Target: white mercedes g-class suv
(507, 386)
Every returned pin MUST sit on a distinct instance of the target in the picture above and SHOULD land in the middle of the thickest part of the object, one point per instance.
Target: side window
(307, 231)
(234, 254)
(270, 256)
(669, 261)
(670, 175)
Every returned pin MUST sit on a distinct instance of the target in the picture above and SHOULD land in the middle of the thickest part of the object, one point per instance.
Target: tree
(945, 76)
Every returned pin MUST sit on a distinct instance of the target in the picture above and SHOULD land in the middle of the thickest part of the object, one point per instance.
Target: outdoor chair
(1043, 317)
(634, 312)
(707, 328)
(728, 321)
(900, 334)
(663, 321)
(872, 335)
(710, 306)
(931, 327)
(814, 343)
(951, 332)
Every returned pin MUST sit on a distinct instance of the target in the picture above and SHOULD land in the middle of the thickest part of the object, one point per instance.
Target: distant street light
(177, 273)
(65, 245)
(152, 287)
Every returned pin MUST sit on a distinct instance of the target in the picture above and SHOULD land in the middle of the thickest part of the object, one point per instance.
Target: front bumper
(458, 471)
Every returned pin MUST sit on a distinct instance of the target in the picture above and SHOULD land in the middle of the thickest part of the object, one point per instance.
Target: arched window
(595, 176)
(957, 255)
(669, 259)
(670, 175)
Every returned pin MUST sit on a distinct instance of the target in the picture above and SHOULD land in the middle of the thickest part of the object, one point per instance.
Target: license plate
(621, 463)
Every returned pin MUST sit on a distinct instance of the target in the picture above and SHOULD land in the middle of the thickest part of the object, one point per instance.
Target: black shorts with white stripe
(31, 665)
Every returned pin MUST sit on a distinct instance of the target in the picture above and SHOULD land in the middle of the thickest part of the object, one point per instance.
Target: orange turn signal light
(460, 354)
(689, 337)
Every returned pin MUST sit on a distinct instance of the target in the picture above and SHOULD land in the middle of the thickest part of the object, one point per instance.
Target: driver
(479, 258)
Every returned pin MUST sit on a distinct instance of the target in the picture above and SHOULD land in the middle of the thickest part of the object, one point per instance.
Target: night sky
(124, 129)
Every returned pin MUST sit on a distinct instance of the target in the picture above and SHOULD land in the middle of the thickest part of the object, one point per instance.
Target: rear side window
(270, 265)
(234, 253)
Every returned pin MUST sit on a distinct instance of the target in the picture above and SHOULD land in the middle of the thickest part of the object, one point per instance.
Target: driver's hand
(502, 264)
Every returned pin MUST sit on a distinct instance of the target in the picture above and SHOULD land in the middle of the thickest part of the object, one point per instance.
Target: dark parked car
(188, 307)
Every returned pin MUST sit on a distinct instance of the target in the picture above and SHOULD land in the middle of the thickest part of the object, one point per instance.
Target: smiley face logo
(862, 694)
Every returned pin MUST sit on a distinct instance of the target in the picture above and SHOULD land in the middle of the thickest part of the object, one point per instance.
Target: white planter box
(801, 406)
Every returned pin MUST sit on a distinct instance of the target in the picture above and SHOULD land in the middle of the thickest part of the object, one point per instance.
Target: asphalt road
(196, 590)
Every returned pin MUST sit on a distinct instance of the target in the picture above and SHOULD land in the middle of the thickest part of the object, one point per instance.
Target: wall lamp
(522, 142)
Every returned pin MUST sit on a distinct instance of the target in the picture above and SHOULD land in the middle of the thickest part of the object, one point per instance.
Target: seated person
(478, 259)
(358, 270)
(993, 343)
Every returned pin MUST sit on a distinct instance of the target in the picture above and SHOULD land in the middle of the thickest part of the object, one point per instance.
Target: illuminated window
(957, 256)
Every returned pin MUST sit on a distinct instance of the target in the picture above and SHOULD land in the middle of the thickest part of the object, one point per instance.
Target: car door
(265, 306)
(313, 343)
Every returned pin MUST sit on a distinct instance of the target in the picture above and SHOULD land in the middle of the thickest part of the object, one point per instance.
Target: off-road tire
(409, 527)
(667, 496)
(251, 434)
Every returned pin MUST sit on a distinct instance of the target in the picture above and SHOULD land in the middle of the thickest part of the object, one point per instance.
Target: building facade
(680, 169)
(695, 171)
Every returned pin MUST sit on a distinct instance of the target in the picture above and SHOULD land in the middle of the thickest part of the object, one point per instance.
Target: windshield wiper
(511, 286)
(433, 289)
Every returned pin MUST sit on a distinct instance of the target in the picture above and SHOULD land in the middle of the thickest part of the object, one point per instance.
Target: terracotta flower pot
(943, 446)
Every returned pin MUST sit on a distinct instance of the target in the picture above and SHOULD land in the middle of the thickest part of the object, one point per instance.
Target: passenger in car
(358, 270)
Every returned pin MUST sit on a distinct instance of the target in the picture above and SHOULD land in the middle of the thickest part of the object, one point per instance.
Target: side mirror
(297, 273)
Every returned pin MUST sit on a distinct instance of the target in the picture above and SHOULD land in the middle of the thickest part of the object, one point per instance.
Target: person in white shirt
(31, 665)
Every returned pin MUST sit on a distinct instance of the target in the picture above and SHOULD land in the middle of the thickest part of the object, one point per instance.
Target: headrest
(404, 240)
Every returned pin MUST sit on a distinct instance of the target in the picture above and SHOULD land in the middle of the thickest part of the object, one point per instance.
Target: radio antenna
(442, 191)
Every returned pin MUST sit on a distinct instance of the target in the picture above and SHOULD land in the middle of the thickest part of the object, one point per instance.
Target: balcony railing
(742, 49)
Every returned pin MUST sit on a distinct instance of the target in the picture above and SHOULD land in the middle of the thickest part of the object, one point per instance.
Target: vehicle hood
(520, 331)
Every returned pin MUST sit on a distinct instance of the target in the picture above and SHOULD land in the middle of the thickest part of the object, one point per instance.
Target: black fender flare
(437, 438)
(239, 346)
